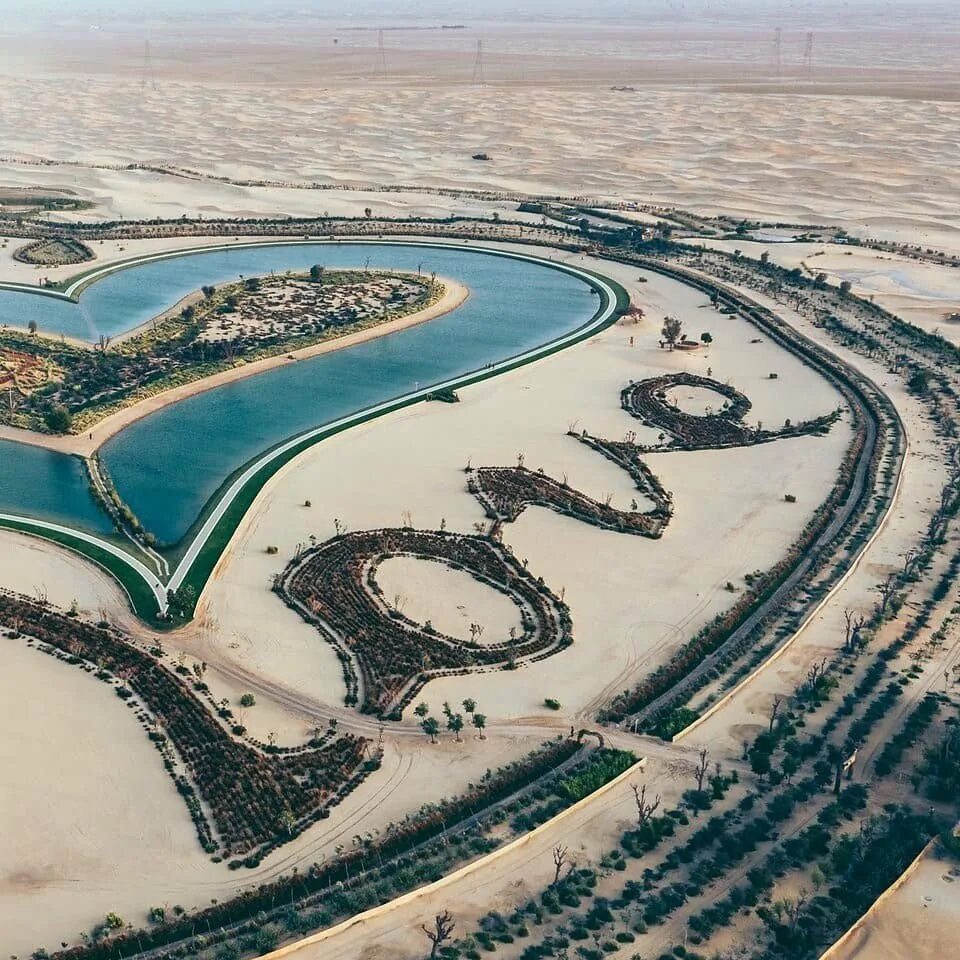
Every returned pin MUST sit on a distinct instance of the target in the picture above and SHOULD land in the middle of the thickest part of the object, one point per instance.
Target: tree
(671, 330)
(560, 860)
(431, 728)
(480, 721)
(367, 212)
(919, 382)
(58, 419)
(208, 291)
(469, 704)
(789, 766)
(455, 723)
(32, 327)
(706, 338)
(887, 589)
(854, 624)
(422, 709)
(316, 273)
(644, 810)
(443, 926)
(774, 710)
(700, 771)
(760, 763)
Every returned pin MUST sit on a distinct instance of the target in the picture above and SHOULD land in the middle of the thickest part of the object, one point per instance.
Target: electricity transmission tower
(380, 69)
(778, 53)
(478, 80)
(808, 57)
(148, 78)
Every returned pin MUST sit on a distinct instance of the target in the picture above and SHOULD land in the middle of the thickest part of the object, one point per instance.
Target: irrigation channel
(191, 470)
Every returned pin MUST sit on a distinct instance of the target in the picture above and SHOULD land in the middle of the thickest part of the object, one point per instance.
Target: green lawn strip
(141, 596)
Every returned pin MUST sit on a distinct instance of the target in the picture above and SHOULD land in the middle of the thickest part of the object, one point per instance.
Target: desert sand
(866, 140)
(662, 112)
(650, 596)
(917, 919)
(924, 294)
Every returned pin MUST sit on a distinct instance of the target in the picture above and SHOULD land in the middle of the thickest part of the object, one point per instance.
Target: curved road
(860, 490)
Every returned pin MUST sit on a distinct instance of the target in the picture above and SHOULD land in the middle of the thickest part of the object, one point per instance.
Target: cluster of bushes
(505, 492)
(713, 638)
(334, 583)
(256, 802)
(858, 867)
(418, 850)
(647, 400)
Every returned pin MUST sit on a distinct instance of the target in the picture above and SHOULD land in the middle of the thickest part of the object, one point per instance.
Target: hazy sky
(876, 11)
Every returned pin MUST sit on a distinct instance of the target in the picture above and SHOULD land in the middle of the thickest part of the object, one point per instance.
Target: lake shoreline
(87, 443)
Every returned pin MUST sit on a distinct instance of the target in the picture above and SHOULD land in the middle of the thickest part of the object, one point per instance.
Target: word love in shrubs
(386, 657)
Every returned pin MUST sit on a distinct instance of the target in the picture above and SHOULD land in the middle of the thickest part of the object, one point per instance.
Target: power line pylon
(808, 57)
(148, 78)
(778, 53)
(478, 79)
(380, 69)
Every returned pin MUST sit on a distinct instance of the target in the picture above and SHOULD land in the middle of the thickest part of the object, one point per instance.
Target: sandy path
(87, 444)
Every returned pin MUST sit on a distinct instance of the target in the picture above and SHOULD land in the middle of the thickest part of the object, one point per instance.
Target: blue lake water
(48, 485)
(167, 465)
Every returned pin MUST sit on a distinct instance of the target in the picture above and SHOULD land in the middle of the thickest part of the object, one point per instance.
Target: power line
(148, 78)
(808, 57)
(478, 79)
(380, 68)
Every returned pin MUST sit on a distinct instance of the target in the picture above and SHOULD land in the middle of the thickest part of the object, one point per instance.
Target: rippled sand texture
(866, 140)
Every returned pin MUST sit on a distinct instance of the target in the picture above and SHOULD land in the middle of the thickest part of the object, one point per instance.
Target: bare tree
(854, 623)
(815, 674)
(887, 589)
(644, 810)
(560, 860)
(774, 710)
(700, 771)
(443, 925)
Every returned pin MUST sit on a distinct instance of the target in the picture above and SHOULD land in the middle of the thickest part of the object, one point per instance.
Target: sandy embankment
(86, 444)
(917, 917)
